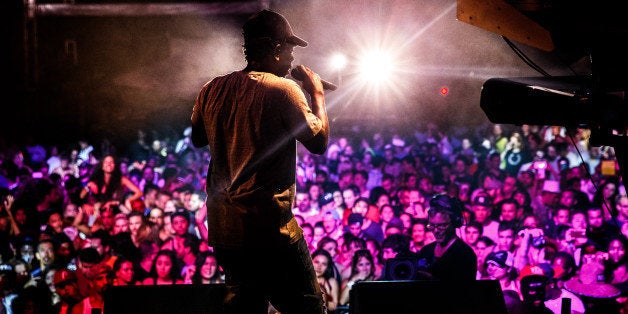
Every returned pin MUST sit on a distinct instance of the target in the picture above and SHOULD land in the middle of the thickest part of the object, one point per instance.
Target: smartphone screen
(608, 167)
(539, 168)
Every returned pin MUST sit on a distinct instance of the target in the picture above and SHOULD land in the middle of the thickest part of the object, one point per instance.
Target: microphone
(298, 74)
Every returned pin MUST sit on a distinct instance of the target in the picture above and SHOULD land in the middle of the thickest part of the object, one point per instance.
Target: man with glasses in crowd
(448, 258)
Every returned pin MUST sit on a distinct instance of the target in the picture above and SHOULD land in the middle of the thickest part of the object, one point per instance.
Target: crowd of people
(540, 208)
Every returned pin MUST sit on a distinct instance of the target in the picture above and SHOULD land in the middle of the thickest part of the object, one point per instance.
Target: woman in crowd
(55, 299)
(350, 244)
(483, 247)
(164, 270)
(616, 266)
(361, 269)
(324, 268)
(604, 198)
(308, 235)
(386, 214)
(107, 183)
(207, 269)
(379, 197)
(406, 220)
(318, 233)
(65, 251)
(331, 246)
(124, 272)
(376, 252)
(54, 230)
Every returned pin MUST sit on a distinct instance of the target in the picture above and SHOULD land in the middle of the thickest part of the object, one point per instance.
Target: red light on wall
(444, 91)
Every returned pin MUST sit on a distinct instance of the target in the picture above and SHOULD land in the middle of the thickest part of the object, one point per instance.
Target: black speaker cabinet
(189, 299)
(427, 297)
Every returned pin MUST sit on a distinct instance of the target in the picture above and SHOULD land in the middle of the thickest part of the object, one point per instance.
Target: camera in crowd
(406, 267)
(536, 238)
(578, 233)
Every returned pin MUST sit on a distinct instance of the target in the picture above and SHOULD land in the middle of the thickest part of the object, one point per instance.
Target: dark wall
(102, 77)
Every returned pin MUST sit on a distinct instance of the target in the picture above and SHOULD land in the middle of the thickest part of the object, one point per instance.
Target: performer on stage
(448, 258)
(251, 120)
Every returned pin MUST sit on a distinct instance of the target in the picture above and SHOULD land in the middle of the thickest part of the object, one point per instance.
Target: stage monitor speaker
(427, 297)
(189, 299)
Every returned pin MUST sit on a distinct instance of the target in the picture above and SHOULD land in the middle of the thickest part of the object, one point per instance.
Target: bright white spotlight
(376, 66)
(338, 61)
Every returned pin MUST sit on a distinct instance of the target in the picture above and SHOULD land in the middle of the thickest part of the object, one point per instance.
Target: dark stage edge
(374, 297)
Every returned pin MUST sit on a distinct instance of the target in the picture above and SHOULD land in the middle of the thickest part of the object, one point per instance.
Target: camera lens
(401, 268)
(538, 242)
(403, 271)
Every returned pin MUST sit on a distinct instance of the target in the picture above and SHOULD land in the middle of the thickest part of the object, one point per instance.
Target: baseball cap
(542, 269)
(333, 213)
(395, 223)
(500, 258)
(270, 24)
(62, 276)
(482, 199)
(355, 217)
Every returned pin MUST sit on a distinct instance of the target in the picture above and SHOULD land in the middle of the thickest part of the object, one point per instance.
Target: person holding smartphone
(45, 257)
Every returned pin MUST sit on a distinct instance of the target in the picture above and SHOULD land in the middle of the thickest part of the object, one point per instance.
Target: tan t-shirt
(252, 121)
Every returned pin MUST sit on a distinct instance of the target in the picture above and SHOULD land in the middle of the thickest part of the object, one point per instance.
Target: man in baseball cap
(482, 199)
(539, 289)
(66, 286)
(500, 259)
(482, 209)
(271, 25)
(251, 120)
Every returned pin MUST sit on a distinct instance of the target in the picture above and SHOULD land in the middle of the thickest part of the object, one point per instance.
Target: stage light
(444, 90)
(338, 61)
(376, 66)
